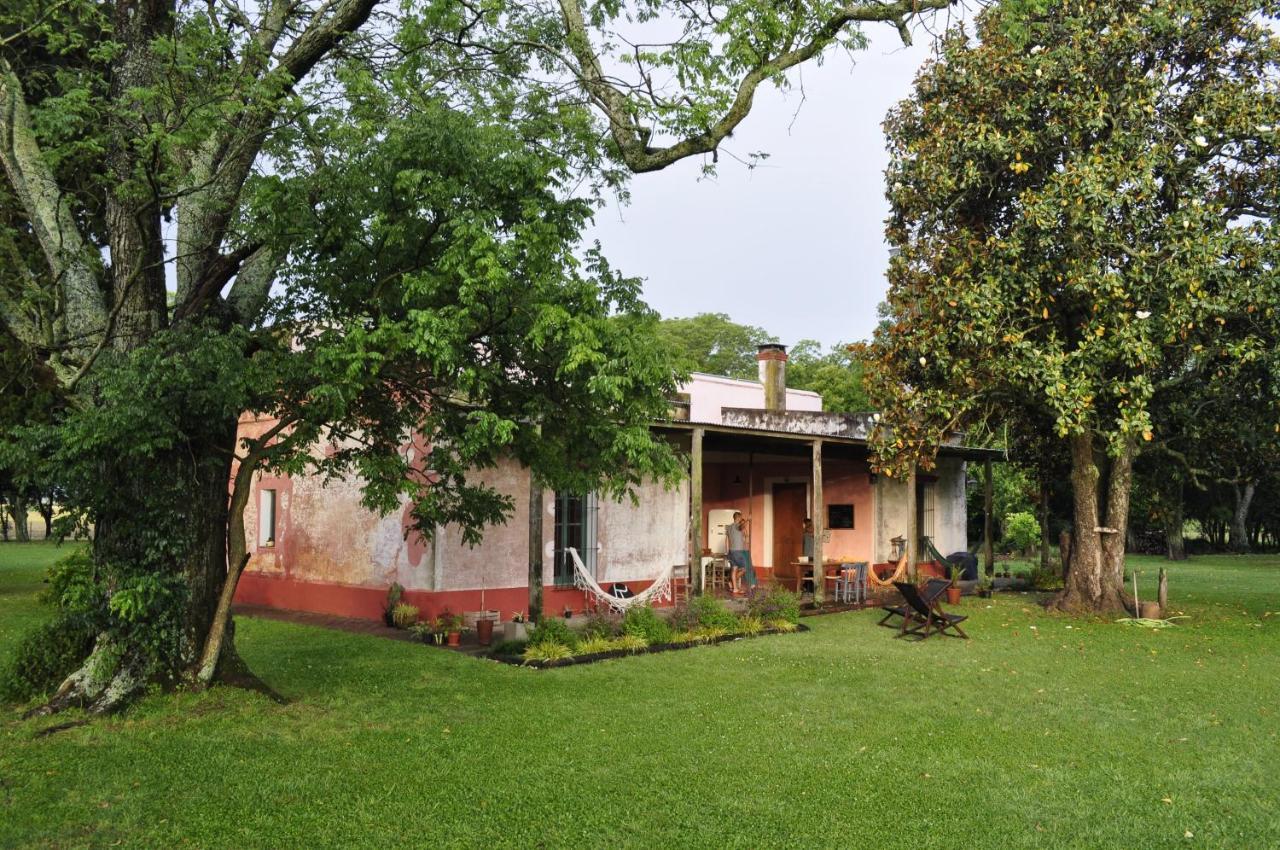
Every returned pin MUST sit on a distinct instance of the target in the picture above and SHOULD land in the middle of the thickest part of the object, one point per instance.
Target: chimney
(773, 375)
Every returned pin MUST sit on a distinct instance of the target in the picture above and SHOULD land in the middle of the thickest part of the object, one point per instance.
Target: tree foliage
(1082, 199)
(715, 344)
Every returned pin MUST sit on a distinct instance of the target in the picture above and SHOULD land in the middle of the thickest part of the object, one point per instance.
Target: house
(755, 446)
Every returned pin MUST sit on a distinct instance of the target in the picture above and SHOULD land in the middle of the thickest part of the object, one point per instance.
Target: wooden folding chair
(925, 616)
(932, 590)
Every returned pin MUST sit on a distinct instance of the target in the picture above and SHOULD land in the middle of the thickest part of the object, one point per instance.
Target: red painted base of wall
(366, 603)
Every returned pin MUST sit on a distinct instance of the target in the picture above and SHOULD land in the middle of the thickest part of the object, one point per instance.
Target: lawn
(1041, 731)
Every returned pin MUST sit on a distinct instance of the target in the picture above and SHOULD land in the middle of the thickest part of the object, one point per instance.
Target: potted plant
(517, 628)
(953, 589)
(452, 628)
(404, 615)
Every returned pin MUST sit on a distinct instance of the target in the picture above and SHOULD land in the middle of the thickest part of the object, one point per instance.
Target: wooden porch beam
(695, 512)
(913, 524)
(819, 525)
(988, 553)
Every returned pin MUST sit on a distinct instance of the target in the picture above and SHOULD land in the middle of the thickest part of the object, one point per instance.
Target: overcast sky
(797, 245)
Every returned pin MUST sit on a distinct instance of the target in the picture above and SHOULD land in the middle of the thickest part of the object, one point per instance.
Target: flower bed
(701, 620)
(592, 657)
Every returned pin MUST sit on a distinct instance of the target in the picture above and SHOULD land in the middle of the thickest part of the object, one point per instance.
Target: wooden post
(819, 525)
(695, 512)
(988, 553)
(1162, 593)
(535, 548)
(913, 524)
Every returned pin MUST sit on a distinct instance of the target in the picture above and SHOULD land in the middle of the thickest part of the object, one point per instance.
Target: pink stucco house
(755, 446)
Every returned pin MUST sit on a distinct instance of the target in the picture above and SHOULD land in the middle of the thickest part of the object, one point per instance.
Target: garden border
(591, 658)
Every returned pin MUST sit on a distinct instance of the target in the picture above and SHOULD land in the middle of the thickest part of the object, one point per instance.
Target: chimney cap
(771, 351)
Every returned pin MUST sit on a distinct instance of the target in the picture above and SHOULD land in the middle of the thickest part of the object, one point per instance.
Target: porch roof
(741, 438)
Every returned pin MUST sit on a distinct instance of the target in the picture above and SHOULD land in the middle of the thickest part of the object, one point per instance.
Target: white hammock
(660, 589)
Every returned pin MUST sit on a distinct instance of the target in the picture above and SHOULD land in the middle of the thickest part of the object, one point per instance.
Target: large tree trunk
(113, 674)
(1096, 577)
(18, 510)
(1240, 517)
(1175, 546)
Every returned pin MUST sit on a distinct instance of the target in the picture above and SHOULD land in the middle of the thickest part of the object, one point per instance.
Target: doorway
(790, 507)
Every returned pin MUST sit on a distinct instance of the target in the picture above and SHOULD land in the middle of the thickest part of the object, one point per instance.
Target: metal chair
(851, 583)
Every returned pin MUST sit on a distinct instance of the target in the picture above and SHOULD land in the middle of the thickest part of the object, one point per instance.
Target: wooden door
(789, 510)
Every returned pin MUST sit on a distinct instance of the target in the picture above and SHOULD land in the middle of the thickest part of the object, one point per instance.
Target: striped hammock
(660, 589)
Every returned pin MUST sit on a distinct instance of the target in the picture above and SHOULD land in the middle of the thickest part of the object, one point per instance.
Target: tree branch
(633, 140)
(75, 268)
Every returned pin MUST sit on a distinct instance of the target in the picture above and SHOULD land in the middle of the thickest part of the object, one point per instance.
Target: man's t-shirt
(737, 540)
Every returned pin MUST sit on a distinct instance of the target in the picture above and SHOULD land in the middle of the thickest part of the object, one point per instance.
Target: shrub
(773, 603)
(595, 643)
(1021, 531)
(394, 594)
(642, 621)
(783, 625)
(710, 633)
(684, 618)
(404, 615)
(510, 647)
(752, 625)
(709, 612)
(1049, 579)
(46, 656)
(553, 630)
(631, 643)
(600, 625)
(71, 585)
(546, 651)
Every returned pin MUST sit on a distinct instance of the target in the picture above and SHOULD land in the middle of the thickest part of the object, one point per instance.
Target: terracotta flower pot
(484, 631)
(953, 595)
(455, 638)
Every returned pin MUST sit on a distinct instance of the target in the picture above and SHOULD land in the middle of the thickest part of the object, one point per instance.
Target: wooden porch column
(695, 512)
(988, 554)
(535, 548)
(819, 525)
(913, 524)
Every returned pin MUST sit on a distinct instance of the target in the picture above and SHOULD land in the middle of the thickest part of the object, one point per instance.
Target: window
(929, 502)
(267, 518)
(839, 516)
(575, 528)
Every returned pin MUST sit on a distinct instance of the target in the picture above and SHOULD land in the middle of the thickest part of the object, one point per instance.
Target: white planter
(515, 631)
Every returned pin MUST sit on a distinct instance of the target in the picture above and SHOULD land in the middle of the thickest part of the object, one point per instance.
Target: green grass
(1041, 731)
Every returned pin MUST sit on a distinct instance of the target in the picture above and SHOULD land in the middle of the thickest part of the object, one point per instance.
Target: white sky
(797, 245)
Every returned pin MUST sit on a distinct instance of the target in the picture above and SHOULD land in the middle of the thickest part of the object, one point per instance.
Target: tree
(1082, 197)
(836, 375)
(373, 212)
(715, 344)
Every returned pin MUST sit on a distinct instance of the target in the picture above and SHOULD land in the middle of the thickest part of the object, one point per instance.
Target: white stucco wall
(950, 526)
(709, 393)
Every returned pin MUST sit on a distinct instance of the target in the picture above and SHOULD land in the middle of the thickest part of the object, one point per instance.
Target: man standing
(740, 552)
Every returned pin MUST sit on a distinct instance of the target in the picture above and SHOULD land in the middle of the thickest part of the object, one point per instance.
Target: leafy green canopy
(1082, 197)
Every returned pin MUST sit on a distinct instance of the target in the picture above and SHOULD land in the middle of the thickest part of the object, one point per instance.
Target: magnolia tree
(369, 214)
(1082, 199)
